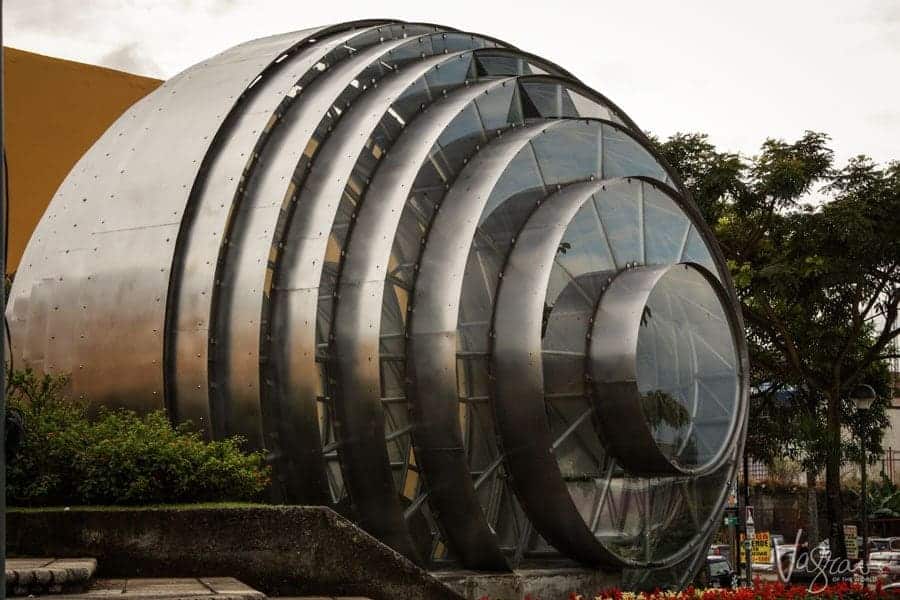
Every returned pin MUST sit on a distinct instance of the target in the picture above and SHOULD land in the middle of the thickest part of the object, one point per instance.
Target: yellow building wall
(54, 110)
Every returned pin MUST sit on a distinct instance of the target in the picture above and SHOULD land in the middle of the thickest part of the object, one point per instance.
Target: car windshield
(718, 568)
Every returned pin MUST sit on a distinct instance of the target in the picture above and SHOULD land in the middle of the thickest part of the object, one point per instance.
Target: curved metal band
(194, 283)
(724, 285)
(431, 348)
(574, 318)
(234, 322)
(613, 367)
(356, 328)
(518, 385)
(301, 244)
(290, 430)
(112, 205)
(461, 517)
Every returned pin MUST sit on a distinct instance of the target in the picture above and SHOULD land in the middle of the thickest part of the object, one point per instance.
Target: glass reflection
(498, 109)
(687, 371)
(640, 519)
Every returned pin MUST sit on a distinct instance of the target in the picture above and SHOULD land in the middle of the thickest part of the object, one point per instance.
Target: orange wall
(54, 110)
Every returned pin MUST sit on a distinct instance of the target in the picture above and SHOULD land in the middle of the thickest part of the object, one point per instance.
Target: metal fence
(890, 465)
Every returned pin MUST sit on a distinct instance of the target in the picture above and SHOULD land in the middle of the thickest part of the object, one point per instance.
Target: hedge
(71, 456)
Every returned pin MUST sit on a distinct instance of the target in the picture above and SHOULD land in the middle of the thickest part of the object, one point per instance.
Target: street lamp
(863, 396)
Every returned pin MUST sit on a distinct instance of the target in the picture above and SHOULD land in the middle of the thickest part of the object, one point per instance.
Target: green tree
(818, 282)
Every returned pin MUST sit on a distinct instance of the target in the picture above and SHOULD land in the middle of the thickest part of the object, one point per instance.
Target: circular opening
(687, 368)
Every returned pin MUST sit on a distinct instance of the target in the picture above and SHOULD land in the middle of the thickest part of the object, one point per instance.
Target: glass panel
(495, 107)
(695, 250)
(521, 174)
(584, 250)
(448, 75)
(591, 109)
(619, 207)
(569, 155)
(623, 156)
(501, 64)
(687, 370)
(665, 227)
(550, 99)
(454, 42)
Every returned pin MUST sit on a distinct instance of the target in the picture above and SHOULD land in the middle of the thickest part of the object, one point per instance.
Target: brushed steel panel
(291, 442)
(221, 411)
(111, 224)
(357, 325)
(302, 241)
(518, 385)
(238, 304)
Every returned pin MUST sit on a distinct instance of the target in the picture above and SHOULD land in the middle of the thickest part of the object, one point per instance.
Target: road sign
(751, 527)
(761, 550)
(850, 542)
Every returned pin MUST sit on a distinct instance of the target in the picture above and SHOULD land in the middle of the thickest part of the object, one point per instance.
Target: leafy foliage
(883, 499)
(117, 457)
(819, 284)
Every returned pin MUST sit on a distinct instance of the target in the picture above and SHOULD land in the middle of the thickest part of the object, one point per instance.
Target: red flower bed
(759, 591)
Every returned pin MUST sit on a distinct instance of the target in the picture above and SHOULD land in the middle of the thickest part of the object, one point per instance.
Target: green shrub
(69, 457)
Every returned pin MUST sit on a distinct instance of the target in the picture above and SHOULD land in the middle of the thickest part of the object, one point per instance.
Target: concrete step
(188, 588)
(39, 576)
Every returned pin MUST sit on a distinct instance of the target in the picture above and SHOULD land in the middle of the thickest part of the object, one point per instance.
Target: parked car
(885, 566)
(879, 545)
(716, 573)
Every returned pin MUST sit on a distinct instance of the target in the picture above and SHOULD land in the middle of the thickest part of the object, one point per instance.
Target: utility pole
(749, 527)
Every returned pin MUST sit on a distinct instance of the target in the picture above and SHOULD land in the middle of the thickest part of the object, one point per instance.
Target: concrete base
(522, 583)
(280, 550)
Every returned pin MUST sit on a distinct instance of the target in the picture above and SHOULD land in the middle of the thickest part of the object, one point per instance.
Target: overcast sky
(738, 70)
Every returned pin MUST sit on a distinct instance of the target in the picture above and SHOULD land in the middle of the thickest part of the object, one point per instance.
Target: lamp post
(863, 396)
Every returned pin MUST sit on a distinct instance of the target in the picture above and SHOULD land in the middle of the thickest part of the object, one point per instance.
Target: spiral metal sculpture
(449, 290)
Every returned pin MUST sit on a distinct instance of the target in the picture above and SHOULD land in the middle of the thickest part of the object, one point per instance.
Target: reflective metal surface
(247, 242)
(517, 375)
(305, 242)
(216, 199)
(293, 384)
(356, 328)
(114, 214)
(434, 278)
(664, 371)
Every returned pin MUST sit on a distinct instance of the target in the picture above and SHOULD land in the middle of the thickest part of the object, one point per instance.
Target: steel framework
(450, 290)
